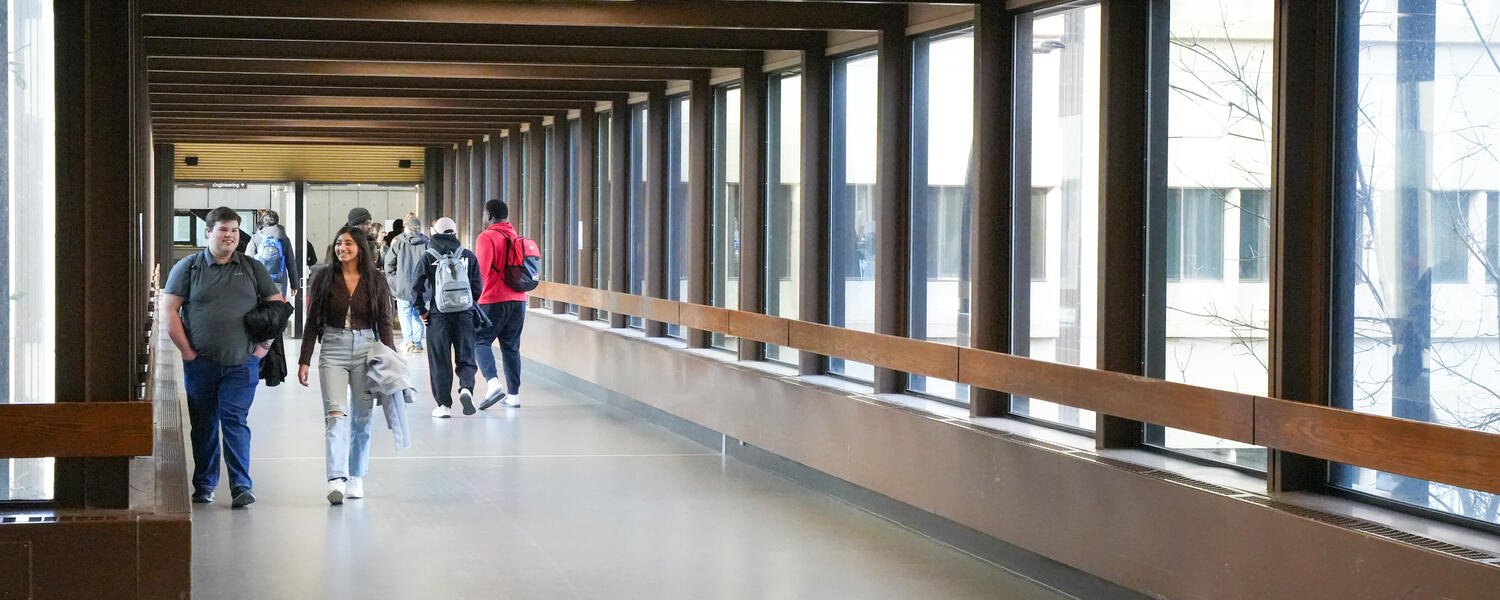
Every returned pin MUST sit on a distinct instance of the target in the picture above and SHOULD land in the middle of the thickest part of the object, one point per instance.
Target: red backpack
(523, 263)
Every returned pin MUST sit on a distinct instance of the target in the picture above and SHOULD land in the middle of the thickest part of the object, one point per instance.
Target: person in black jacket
(270, 227)
(450, 335)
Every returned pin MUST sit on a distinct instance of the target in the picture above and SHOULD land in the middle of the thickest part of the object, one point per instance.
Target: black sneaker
(203, 496)
(491, 401)
(242, 497)
(466, 398)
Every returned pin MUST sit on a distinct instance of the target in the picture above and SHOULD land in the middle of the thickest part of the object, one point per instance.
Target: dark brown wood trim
(588, 148)
(580, 55)
(657, 173)
(75, 429)
(700, 201)
(991, 229)
(619, 204)
(893, 181)
(812, 283)
(753, 144)
(558, 224)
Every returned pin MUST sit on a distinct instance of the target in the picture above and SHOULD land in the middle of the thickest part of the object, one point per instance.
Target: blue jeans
(219, 397)
(341, 375)
(506, 319)
(411, 322)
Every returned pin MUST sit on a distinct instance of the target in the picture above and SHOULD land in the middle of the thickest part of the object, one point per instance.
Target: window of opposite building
(1218, 173)
(783, 202)
(724, 282)
(1422, 342)
(851, 215)
(941, 197)
(1060, 218)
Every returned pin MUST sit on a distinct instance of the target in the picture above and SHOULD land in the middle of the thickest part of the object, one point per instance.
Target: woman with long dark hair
(349, 309)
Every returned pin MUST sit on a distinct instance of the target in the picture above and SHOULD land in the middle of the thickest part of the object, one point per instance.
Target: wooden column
(478, 180)
(893, 202)
(753, 133)
(557, 172)
(588, 148)
(812, 283)
(535, 192)
(494, 169)
(1309, 310)
(619, 205)
(513, 199)
(433, 187)
(97, 74)
(700, 202)
(991, 239)
(656, 204)
(299, 242)
(166, 188)
(1131, 58)
(450, 184)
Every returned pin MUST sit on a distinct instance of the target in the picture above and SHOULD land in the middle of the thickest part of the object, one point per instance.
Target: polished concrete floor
(562, 498)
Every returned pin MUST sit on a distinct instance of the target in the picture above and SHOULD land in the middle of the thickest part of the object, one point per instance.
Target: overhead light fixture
(191, 161)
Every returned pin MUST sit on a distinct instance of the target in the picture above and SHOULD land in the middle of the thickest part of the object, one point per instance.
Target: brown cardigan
(331, 309)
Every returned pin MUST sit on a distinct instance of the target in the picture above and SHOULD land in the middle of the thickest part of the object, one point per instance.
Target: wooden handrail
(75, 429)
(1429, 451)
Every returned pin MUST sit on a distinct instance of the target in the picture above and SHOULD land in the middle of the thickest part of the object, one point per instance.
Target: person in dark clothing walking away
(445, 292)
(497, 247)
(349, 312)
(207, 297)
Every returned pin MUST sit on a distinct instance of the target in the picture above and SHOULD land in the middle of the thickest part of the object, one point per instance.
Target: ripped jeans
(347, 407)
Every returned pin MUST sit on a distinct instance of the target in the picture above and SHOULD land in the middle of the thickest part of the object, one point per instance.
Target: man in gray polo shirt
(207, 296)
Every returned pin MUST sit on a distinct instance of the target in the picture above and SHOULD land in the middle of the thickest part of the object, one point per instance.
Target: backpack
(450, 290)
(273, 256)
(523, 274)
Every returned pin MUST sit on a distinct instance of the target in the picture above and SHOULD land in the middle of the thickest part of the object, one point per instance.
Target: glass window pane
(852, 211)
(677, 199)
(1424, 336)
(1219, 177)
(637, 205)
(783, 202)
(1062, 215)
(601, 209)
(31, 221)
(942, 186)
(725, 288)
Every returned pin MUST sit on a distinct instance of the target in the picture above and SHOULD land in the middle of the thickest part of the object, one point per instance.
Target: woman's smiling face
(345, 248)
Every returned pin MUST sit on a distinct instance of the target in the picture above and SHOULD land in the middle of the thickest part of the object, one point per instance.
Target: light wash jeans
(411, 322)
(341, 374)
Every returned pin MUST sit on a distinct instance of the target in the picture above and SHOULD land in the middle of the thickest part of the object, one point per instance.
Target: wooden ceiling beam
(414, 125)
(374, 102)
(354, 95)
(463, 53)
(336, 112)
(300, 139)
(165, 117)
(359, 68)
(416, 84)
(738, 14)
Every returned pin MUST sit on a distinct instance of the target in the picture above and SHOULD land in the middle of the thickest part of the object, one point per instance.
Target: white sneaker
(492, 388)
(335, 491)
(356, 488)
(466, 398)
(442, 412)
(513, 401)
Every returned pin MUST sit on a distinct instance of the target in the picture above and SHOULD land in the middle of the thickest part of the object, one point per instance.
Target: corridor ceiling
(409, 73)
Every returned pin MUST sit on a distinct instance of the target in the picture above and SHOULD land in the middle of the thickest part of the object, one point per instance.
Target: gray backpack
(450, 290)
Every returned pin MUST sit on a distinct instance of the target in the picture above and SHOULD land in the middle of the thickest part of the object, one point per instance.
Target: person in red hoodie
(497, 246)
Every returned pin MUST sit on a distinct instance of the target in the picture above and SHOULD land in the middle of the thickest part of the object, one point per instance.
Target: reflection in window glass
(1218, 155)
(30, 215)
(783, 202)
(724, 290)
(1424, 344)
(677, 200)
(942, 176)
(602, 199)
(851, 295)
(637, 205)
(1062, 215)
